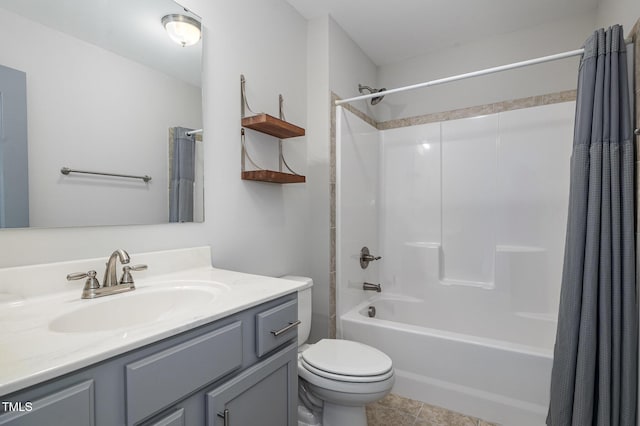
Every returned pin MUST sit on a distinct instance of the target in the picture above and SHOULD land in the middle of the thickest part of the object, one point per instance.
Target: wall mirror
(97, 86)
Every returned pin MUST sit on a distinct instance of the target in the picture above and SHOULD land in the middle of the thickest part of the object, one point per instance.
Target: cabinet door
(72, 406)
(174, 419)
(156, 381)
(263, 395)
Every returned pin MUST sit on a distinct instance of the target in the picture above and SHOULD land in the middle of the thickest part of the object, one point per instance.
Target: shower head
(375, 100)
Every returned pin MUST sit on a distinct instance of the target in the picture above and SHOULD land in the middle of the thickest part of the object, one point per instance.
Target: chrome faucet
(110, 284)
(110, 275)
(374, 287)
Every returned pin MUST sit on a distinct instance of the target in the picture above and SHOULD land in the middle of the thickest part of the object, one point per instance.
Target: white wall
(623, 12)
(335, 64)
(65, 77)
(349, 66)
(553, 37)
(318, 114)
(251, 226)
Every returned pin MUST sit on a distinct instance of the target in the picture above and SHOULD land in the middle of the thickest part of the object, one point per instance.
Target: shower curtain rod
(470, 74)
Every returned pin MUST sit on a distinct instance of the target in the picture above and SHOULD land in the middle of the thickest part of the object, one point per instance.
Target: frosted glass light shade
(184, 30)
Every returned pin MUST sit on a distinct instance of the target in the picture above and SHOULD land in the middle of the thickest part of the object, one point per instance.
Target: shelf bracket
(245, 154)
(269, 125)
(281, 114)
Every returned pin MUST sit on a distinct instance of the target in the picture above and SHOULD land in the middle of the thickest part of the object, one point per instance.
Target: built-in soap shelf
(515, 266)
(272, 126)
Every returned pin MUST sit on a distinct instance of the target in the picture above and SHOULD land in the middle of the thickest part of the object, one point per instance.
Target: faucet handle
(126, 273)
(90, 284)
(366, 257)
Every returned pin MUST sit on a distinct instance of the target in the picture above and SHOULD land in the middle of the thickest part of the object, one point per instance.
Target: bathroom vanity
(230, 358)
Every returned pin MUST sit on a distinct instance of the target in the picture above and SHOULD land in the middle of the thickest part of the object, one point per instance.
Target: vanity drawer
(271, 327)
(154, 382)
(72, 406)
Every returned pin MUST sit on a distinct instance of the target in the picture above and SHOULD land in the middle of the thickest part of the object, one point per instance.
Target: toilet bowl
(337, 377)
(346, 376)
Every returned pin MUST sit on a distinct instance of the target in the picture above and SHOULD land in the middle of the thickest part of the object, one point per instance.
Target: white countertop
(30, 352)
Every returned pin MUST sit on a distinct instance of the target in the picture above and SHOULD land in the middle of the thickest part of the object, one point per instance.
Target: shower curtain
(594, 375)
(182, 177)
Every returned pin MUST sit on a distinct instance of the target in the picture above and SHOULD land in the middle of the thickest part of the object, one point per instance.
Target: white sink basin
(139, 307)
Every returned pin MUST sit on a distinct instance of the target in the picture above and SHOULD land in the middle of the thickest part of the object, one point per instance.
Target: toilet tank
(304, 307)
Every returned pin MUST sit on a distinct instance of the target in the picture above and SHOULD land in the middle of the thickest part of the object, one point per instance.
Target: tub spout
(373, 287)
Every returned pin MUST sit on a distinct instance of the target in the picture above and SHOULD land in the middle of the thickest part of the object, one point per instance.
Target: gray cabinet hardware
(286, 328)
(225, 416)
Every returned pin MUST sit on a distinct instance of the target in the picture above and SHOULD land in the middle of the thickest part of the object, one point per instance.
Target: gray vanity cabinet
(71, 406)
(183, 380)
(260, 395)
(174, 419)
(158, 380)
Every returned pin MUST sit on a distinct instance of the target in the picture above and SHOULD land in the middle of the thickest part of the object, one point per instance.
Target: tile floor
(394, 410)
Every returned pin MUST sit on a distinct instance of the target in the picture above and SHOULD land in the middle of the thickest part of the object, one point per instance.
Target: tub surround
(510, 105)
(32, 297)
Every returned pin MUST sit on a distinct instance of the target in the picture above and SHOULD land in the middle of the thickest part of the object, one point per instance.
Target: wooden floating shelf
(272, 176)
(270, 125)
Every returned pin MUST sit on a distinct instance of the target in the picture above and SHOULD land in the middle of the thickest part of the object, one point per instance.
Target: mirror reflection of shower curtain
(181, 180)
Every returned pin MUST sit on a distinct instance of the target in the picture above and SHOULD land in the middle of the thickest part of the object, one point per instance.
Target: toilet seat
(343, 392)
(341, 377)
(347, 361)
(347, 358)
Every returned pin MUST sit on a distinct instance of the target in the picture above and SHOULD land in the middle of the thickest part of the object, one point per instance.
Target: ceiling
(130, 28)
(392, 30)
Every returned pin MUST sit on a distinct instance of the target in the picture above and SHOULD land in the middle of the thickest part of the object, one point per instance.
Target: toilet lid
(341, 377)
(347, 358)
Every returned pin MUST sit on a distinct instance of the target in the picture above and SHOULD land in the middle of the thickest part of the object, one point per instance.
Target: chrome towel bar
(67, 170)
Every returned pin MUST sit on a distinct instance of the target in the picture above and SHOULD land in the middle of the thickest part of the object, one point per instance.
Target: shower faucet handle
(366, 257)
(370, 257)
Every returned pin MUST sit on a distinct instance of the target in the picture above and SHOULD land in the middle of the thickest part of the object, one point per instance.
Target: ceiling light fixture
(182, 29)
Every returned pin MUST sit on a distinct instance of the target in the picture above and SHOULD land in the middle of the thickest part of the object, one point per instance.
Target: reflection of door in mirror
(14, 174)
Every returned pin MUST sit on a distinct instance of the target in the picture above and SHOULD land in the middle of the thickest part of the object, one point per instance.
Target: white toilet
(337, 377)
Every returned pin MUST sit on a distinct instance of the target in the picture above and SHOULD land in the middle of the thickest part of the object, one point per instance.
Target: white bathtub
(493, 366)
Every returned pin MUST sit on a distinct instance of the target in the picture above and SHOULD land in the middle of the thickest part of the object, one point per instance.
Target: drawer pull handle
(225, 416)
(287, 328)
